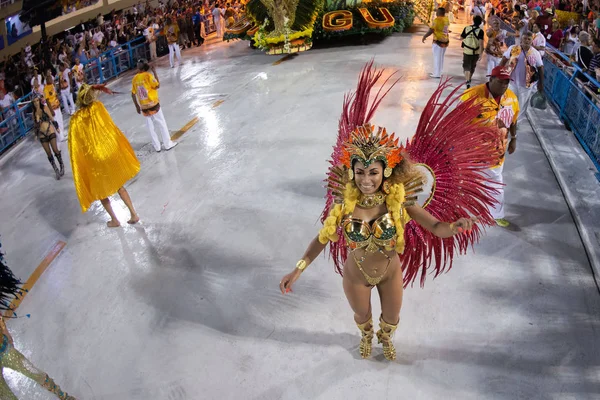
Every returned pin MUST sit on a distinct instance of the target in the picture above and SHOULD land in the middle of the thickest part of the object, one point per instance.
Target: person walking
(472, 45)
(172, 33)
(439, 30)
(525, 64)
(54, 104)
(65, 89)
(145, 98)
(500, 107)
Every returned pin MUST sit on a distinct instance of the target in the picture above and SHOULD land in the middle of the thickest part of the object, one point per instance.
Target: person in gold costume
(102, 158)
(379, 232)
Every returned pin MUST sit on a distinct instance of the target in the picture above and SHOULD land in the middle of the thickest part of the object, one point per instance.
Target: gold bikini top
(361, 234)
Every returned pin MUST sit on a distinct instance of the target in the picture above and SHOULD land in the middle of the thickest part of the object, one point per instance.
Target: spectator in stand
(571, 41)
(539, 41)
(544, 21)
(557, 36)
(595, 62)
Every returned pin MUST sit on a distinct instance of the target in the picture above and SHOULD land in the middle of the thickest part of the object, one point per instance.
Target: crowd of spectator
(68, 6)
(91, 41)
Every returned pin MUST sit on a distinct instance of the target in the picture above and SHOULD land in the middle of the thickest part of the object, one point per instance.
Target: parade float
(290, 26)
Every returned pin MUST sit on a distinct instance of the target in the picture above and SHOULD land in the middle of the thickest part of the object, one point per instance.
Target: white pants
(524, 95)
(159, 118)
(496, 175)
(62, 135)
(438, 60)
(174, 51)
(218, 23)
(152, 50)
(67, 99)
(492, 62)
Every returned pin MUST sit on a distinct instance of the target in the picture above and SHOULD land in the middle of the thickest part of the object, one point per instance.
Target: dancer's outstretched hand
(463, 225)
(287, 281)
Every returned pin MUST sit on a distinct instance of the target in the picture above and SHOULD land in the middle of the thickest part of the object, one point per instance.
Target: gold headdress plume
(368, 146)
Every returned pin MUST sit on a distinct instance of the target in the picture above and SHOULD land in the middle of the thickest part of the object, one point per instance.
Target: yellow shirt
(172, 33)
(51, 97)
(503, 114)
(144, 87)
(440, 29)
(79, 75)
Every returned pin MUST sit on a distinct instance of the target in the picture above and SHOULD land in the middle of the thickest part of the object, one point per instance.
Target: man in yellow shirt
(439, 30)
(145, 97)
(172, 33)
(54, 104)
(500, 108)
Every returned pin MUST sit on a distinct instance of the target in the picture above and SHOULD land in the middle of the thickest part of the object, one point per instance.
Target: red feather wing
(458, 151)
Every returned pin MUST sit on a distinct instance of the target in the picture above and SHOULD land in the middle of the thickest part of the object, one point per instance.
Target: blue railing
(18, 120)
(574, 99)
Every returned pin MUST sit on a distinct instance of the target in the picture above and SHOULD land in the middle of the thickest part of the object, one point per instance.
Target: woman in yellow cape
(101, 156)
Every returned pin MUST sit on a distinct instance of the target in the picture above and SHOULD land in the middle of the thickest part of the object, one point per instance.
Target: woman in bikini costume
(46, 133)
(376, 211)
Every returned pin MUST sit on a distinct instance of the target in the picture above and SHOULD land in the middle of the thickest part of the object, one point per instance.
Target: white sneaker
(171, 145)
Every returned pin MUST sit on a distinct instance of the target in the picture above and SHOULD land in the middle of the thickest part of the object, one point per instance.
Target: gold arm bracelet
(301, 265)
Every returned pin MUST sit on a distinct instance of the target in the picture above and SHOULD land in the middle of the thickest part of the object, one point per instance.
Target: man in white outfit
(150, 34)
(172, 33)
(65, 89)
(145, 97)
(218, 20)
(527, 70)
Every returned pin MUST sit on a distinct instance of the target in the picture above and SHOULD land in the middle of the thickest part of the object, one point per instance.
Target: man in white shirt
(65, 89)
(527, 71)
(217, 19)
(36, 76)
(98, 36)
(150, 34)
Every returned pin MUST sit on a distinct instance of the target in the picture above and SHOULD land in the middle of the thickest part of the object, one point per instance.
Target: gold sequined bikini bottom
(373, 281)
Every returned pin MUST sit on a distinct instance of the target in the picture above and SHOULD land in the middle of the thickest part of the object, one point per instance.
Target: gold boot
(367, 338)
(384, 336)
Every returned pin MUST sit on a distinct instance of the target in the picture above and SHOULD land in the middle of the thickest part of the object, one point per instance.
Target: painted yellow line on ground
(54, 252)
(185, 128)
(218, 103)
(285, 58)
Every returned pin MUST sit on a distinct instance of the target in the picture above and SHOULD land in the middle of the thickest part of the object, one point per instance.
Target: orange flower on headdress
(367, 146)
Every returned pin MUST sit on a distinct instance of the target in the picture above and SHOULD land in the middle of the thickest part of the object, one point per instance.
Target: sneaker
(502, 222)
(432, 76)
(173, 144)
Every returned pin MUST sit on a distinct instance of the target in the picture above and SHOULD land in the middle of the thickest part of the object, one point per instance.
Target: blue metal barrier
(18, 120)
(574, 99)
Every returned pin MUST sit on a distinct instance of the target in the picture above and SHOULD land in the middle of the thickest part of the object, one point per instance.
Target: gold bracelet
(301, 265)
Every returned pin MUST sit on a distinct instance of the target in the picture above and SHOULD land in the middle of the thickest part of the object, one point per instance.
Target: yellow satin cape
(101, 157)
